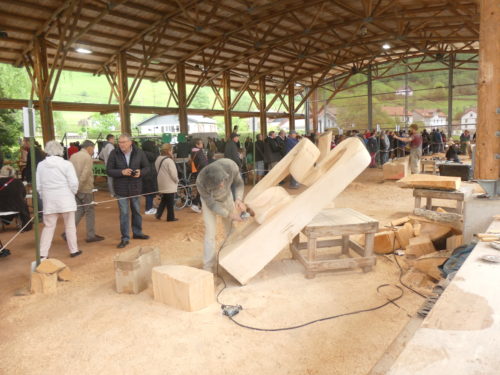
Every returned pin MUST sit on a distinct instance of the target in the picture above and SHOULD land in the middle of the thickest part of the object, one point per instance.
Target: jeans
(110, 186)
(209, 253)
(149, 201)
(167, 200)
(87, 210)
(135, 207)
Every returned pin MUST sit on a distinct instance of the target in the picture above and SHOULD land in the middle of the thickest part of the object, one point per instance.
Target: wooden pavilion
(287, 48)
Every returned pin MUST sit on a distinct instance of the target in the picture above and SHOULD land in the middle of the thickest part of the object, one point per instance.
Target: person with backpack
(167, 181)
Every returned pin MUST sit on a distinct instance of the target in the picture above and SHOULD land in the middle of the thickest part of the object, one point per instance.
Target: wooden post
(181, 93)
(487, 141)
(370, 98)
(42, 79)
(450, 95)
(314, 108)
(291, 105)
(226, 88)
(262, 106)
(123, 102)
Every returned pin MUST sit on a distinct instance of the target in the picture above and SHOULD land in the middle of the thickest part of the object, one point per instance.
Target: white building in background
(468, 120)
(429, 117)
(402, 91)
(157, 125)
(326, 120)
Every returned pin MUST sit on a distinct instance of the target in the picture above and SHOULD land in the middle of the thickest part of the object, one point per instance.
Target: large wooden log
(251, 248)
(429, 181)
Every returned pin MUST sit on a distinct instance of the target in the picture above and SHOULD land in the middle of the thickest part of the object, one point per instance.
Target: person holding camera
(127, 165)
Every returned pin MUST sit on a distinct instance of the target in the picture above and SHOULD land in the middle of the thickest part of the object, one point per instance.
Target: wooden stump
(183, 287)
(133, 269)
(44, 283)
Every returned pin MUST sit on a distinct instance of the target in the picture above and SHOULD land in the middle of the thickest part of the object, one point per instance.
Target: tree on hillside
(201, 100)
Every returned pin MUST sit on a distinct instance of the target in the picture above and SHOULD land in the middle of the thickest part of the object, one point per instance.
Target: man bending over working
(214, 186)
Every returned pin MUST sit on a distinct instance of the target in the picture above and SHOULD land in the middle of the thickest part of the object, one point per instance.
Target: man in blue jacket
(127, 165)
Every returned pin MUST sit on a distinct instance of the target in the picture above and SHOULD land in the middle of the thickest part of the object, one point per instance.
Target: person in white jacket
(57, 185)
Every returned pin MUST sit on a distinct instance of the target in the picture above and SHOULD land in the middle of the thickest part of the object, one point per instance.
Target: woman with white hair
(57, 184)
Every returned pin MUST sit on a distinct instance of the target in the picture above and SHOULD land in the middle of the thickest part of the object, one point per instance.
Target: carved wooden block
(183, 287)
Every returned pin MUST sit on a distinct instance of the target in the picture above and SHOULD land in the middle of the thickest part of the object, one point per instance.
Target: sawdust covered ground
(87, 328)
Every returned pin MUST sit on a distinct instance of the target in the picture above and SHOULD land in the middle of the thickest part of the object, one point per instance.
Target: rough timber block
(420, 246)
(183, 287)
(133, 269)
(429, 181)
(454, 241)
(252, 246)
(400, 221)
(44, 283)
(395, 170)
(65, 274)
(404, 234)
(385, 242)
(50, 265)
(429, 263)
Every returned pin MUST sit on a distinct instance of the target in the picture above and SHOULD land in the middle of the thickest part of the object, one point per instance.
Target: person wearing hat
(452, 152)
(231, 150)
(221, 190)
(415, 140)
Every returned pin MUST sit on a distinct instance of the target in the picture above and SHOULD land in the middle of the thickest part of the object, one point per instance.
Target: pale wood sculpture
(325, 144)
(253, 246)
(183, 287)
(428, 181)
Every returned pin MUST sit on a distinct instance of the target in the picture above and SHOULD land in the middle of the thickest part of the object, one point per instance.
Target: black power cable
(231, 310)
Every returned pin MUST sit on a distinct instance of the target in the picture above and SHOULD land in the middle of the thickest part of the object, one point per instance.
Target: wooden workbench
(330, 223)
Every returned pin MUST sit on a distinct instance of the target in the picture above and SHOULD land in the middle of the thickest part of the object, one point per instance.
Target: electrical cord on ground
(231, 310)
(401, 280)
(393, 228)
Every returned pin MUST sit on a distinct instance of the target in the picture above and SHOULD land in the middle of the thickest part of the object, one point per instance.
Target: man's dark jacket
(127, 186)
(231, 152)
(271, 151)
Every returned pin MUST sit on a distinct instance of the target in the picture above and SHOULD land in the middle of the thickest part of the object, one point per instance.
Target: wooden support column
(487, 140)
(123, 101)
(226, 88)
(181, 93)
(42, 80)
(314, 108)
(450, 95)
(291, 105)
(369, 88)
(262, 106)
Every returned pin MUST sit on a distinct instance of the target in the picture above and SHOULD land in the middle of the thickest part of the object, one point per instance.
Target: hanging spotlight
(386, 46)
(83, 50)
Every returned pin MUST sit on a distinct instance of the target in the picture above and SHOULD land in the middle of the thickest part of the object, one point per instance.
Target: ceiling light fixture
(386, 46)
(83, 50)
